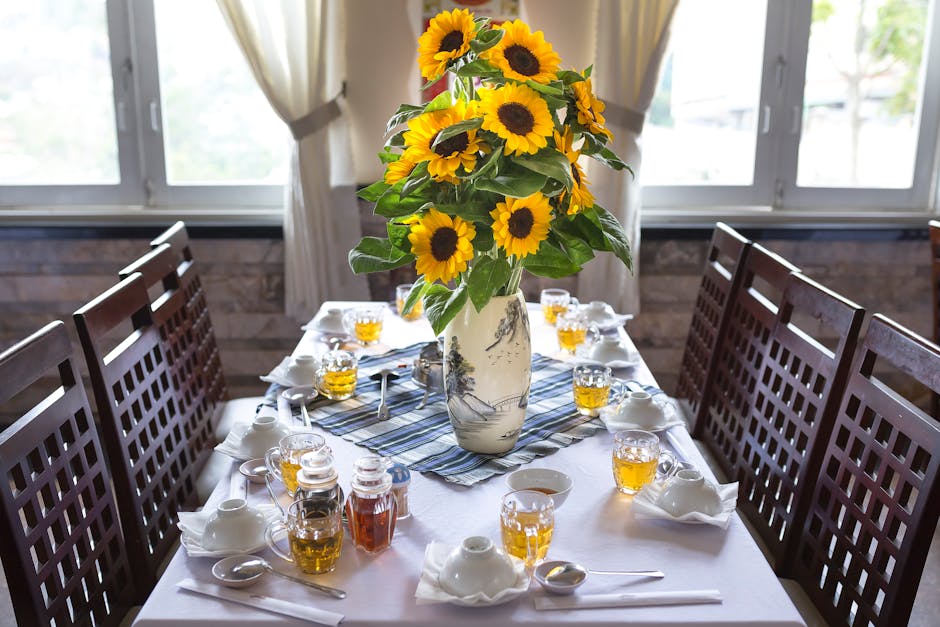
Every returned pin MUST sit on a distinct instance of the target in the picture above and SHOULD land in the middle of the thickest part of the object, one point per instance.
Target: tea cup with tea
(314, 530)
(638, 459)
(526, 522)
(573, 329)
(554, 483)
(594, 387)
(365, 323)
(283, 460)
(554, 301)
(337, 375)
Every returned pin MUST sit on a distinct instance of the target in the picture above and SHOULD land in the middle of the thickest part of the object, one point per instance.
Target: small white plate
(309, 392)
(671, 418)
(192, 524)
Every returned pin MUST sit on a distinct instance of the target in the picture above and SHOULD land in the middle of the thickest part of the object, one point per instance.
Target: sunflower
(447, 37)
(590, 108)
(445, 158)
(397, 170)
(523, 55)
(520, 224)
(442, 245)
(581, 196)
(517, 114)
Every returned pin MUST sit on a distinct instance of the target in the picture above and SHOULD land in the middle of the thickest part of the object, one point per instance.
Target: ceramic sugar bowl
(303, 370)
(234, 527)
(688, 491)
(639, 408)
(477, 566)
(265, 432)
(608, 349)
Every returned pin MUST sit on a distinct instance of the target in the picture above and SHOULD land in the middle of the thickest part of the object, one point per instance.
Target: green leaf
(442, 101)
(587, 71)
(550, 261)
(417, 291)
(607, 157)
(554, 103)
(418, 177)
(404, 113)
(515, 181)
(387, 156)
(486, 39)
(489, 165)
(583, 228)
(549, 162)
(569, 77)
(484, 240)
(391, 205)
(476, 68)
(396, 141)
(488, 275)
(474, 209)
(579, 251)
(552, 89)
(615, 235)
(441, 304)
(374, 191)
(552, 188)
(374, 254)
(456, 129)
(398, 235)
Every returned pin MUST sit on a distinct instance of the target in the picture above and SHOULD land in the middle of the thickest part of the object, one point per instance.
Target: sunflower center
(575, 174)
(516, 117)
(451, 41)
(522, 60)
(444, 243)
(520, 223)
(457, 143)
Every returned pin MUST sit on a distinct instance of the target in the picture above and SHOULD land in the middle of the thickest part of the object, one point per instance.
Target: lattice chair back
(934, 227)
(195, 401)
(798, 391)
(740, 355)
(720, 279)
(62, 548)
(202, 334)
(146, 437)
(876, 500)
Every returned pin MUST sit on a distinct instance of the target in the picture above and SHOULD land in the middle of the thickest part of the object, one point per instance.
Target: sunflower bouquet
(484, 181)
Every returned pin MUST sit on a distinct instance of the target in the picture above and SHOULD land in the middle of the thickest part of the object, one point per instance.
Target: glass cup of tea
(283, 461)
(526, 521)
(365, 323)
(314, 535)
(401, 295)
(337, 375)
(554, 301)
(638, 459)
(594, 387)
(574, 329)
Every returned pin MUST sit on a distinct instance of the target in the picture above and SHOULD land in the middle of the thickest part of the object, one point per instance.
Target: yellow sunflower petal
(441, 245)
(590, 108)
(517, 114)
(447, 37)
(521, 224)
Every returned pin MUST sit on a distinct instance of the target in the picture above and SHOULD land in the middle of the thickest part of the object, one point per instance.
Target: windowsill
(101, 216)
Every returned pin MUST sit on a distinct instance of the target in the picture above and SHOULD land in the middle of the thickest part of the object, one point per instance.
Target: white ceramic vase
(487, 371)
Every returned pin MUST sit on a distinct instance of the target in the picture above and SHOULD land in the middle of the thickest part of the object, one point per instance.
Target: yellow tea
(289, 472)
(633, 471)
(315, 551)
(570, 338)
(589, 398)
(515, 540)
(338, 384)
(551, 311)
(415, 313)
(368, 331)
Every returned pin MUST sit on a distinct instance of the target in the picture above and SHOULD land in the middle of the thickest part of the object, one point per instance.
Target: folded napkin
(627, 599)
(232, 444)
(429, 591)
(615, 423)
(262, 602)
(279, 374)
(193, 524)
(645, 505)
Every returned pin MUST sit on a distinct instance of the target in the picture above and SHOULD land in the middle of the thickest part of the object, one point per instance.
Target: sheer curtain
(296, 52)
(631, 40)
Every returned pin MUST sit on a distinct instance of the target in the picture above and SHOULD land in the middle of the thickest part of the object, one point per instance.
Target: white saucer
(672, 418)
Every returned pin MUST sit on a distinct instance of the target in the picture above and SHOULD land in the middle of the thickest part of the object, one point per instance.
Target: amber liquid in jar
(371, 520)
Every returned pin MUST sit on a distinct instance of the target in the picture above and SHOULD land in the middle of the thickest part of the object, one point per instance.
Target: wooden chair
(934, 227)
(876, 500)
(720, 280)
(146, 437)
(797, 393)
(62, 548)
(740, 354)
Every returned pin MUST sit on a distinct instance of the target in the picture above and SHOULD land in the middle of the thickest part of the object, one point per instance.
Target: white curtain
(296, 51)
(631, 41)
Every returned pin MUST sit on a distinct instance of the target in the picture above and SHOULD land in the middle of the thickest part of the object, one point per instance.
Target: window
(796, 106)
(174, 119)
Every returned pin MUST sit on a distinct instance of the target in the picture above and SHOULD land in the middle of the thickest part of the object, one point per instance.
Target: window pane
(56, 96)
(218, 127)
(702, 126)
(863, 89)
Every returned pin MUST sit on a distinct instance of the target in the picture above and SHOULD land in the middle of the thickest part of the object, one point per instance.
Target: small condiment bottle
(401, 478)
(317, 478)
(370, 508)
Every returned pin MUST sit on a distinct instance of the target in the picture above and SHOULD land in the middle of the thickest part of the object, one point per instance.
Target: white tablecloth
(594, 527)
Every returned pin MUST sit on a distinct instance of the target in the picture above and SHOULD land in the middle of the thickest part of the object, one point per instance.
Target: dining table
(595, 527)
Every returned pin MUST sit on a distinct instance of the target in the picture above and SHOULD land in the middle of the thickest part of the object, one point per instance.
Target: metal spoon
(570, 573)
(253, 566)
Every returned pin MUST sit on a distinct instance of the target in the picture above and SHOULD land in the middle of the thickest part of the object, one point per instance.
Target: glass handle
(668, 465)
(272, 543)
(531, 545)
(272, 459)
(270, 486)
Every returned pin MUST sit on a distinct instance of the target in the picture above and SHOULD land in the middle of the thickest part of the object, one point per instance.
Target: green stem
(515, 277)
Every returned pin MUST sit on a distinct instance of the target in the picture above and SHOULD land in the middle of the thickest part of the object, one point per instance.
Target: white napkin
(279, 374)
(627, 599)
(232, 444)
(193, 524)
(262, 602)
(429, 591)
(614, 423)
(645, 505)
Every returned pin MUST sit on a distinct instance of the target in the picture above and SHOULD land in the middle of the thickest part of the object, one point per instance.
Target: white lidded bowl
(265, 432)
(608, 349)
(546, 480)
(688, 491)
(477, 566)
(330, 321)
(234, 526)
(642, 410)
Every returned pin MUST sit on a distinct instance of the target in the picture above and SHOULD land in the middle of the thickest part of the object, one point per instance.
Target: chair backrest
(934, 227)
(195, 401)
(720, 279)
(146, 438)
(740, 353)
(62, 548)
(876, 500)
(201, 333)
(798, 391)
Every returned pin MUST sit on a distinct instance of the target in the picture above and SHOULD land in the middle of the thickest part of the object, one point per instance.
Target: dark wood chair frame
(876, 499)
(934, 228)
(710, 315)
(62, 548)
(146, 437)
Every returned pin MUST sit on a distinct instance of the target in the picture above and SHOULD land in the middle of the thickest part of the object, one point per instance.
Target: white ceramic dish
(430, 591)
(309, 391)
(646, 505)
(582, 355)
(542, 479)
(193, 524)
(246, 442)
(476, 567)
(687, 492)
(329, 321)
(604, 316)
(615, 422)
(222, 568)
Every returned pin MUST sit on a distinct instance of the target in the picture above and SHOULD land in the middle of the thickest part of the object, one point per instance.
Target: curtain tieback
(625, 117)
(318, 118)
